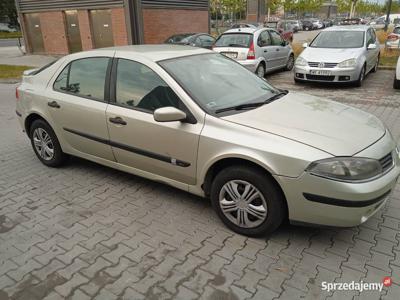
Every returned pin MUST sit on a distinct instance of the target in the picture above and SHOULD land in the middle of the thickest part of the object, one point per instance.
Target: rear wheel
(45, 144)
(260, 70)
(247, 201)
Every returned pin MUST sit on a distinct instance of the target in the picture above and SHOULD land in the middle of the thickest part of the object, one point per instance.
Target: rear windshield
(234, 40)
(43, 68)
(179, 38)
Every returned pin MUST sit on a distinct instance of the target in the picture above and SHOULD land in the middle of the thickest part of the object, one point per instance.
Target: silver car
(259, 50)
(339, 54)
(200, 122)
(396, 82)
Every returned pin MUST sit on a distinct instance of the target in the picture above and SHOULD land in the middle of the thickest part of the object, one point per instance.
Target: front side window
(84, 77)
(216, 82)
(276, 38)
(339, 39)
(138, 86)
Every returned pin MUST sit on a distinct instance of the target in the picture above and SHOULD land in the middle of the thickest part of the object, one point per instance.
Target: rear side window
(234, 40)
(84, 77)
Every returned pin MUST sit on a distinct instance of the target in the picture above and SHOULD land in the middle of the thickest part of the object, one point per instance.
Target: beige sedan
(201, 122)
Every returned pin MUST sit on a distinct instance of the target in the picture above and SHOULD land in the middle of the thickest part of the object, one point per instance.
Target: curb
(386, 68)
(10, 80)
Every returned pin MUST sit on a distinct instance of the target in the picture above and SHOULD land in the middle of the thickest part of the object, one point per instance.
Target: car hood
(332, 127)
(329, 54)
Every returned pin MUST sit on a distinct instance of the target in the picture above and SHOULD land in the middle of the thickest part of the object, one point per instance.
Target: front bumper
(316, 200)
(303, 73)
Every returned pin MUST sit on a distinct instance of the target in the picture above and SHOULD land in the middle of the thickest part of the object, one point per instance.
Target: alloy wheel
(43, 144)
(243, 204)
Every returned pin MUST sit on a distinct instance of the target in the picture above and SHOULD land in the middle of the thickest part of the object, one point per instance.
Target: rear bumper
(336, 74)
(251, 65)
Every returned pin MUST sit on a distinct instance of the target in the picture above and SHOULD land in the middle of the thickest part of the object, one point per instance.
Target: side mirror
(371, 46)
(305, 45)
(168, 114)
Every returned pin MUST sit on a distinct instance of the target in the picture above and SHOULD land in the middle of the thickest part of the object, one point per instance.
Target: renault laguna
(201, 122)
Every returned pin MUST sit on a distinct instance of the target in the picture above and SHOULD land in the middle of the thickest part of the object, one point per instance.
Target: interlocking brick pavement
(89, 232)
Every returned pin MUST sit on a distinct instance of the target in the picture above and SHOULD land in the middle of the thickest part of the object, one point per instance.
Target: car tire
(290, 63)
(375, 68)
(260, 71)
(262, 215)
(361, 77)
(46, 145)
(396, 83)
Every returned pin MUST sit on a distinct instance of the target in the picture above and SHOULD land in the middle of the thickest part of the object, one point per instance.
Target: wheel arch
(33, 116)
(218, 165)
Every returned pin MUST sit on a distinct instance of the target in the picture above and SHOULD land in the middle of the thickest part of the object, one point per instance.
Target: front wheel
(46, 145)
(361, 77)
(247, 200)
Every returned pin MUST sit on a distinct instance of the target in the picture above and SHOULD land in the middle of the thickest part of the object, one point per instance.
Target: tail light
(252, 53)
(393, 37)
(16, 93)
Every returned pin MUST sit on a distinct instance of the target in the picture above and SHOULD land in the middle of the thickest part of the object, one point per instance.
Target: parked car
(377, 24)
(203, 40)
(285, 29)
(318, 24)
(7, 28)
(351, 21)
(309, 25)
(259, 50)
(296, 24)
(200, 122)
(327, 23)
(396, 82)
(393, 39)
(339, 54)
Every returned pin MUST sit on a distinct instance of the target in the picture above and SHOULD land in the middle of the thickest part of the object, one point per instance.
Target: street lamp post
(388, 15)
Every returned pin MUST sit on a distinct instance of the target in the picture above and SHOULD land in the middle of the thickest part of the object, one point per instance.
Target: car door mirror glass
(168, 114)
(371, 46)
(305, 45)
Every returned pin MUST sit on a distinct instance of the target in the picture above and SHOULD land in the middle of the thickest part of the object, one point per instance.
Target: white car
(396, 82)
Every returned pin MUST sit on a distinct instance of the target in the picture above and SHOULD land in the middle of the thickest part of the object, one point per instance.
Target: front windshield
(216, 82)
(339, 39)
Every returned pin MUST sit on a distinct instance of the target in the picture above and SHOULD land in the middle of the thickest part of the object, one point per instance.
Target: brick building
(65, 26)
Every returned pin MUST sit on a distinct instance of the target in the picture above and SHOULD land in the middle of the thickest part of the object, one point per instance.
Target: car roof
(151, 52)
(243, 30)
(348, 28)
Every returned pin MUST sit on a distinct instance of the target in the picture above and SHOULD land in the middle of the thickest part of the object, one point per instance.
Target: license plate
(320, 72)
(232, 55)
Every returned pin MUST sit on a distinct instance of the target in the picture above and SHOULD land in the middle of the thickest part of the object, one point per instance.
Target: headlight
(301, 61)
(348, 63)
(346, 168)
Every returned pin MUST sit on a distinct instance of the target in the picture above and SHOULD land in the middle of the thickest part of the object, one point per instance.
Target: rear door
(77, 105)
(281, 50)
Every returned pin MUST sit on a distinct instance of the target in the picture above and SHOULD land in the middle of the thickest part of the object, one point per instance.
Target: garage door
(34, 33)
(102, 28)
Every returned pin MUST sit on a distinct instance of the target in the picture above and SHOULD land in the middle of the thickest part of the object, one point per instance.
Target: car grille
(386, 162)
(320, 77)
(326, 65)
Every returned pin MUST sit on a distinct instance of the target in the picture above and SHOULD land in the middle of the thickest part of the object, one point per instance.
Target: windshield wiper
(245, 106)
(236, 45)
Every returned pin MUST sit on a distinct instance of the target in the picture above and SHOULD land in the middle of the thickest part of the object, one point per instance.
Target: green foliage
(7, 9)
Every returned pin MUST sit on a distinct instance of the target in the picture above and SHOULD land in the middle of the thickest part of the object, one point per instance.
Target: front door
(166, 149)
(77, 104)
(102, 28)
(34, 33)
(73, 33)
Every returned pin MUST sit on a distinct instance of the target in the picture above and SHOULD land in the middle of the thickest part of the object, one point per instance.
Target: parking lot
(86, 231)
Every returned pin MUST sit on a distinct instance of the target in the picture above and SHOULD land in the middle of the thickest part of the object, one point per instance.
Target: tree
(8, 10)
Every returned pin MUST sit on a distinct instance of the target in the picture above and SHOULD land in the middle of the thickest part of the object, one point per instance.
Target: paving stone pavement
(89, 232)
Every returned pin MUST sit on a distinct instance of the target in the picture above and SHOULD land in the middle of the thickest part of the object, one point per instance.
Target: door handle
(277, 49)
(53, 104)
(265, 51)
(117, 120)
